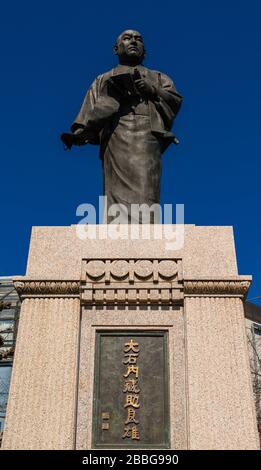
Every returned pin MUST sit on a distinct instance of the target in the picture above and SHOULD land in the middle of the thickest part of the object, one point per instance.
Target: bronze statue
(129, 112)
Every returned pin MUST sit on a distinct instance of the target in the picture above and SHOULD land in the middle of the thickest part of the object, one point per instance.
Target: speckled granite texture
(56, 252)
(73, 287)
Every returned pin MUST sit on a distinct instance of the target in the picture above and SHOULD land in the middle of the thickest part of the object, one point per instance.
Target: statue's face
(130, 47)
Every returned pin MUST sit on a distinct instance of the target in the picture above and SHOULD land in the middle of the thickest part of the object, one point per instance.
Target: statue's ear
(115, 49)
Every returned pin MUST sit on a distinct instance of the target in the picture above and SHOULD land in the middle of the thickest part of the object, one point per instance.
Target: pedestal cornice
(132, 282)
(237, 286)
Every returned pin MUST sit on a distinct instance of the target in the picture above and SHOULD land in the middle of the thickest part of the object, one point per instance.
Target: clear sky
(51, 51)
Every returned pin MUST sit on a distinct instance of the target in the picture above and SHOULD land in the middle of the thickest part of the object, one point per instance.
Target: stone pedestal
(77, 289)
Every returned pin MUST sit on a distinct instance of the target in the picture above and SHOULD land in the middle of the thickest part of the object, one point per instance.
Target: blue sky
(50, 54)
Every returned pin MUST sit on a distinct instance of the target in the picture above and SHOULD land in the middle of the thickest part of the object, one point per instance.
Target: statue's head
(129, 47)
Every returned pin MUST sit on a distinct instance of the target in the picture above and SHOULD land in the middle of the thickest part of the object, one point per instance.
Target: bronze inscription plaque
(131, 390)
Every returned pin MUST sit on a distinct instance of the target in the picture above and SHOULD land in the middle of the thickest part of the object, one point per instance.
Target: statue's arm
(166, 99)
(78, 135)
(167, 94)
(98, 107)
(83, 117)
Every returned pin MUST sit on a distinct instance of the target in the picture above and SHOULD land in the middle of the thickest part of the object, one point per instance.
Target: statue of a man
(129, 112)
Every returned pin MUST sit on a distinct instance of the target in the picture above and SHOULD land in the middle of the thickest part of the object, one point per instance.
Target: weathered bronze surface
(129, 112)
(131, 398)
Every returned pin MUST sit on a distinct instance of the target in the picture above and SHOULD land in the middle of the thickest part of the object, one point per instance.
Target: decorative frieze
(131, 270)
(143, 281)
(131, 281)
(50, 288)
(119, 296)
(225, 287)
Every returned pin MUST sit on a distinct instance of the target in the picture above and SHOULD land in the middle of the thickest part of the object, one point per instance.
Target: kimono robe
(132, 133)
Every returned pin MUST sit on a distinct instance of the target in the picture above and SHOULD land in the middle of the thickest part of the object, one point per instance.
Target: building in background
(253, 325)
(9, 314)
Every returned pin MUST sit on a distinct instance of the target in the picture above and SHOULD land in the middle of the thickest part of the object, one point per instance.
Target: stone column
(42, 402)
(221, 412)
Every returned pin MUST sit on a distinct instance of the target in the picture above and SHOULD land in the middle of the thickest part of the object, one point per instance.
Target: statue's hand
(145, 88)
(68, 140)
(79, 137)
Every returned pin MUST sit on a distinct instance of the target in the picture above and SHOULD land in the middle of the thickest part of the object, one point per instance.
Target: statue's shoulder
(98, 82)
(105, 75)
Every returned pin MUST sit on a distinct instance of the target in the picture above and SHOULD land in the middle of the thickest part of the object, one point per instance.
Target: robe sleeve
(168, 100)
(88, 104)
(98, 107)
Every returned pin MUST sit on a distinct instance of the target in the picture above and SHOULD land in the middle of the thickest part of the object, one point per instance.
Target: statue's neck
(129, 63)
